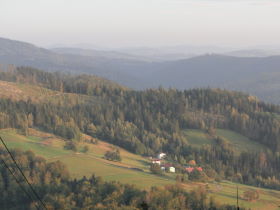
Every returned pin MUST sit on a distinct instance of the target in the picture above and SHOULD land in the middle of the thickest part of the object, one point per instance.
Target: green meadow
(239, 142)
(133, 169)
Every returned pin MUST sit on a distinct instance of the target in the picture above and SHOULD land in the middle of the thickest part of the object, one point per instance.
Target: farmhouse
(190, 169)
(156, 161)
(172, 169)
(161, 155)
(168, 167)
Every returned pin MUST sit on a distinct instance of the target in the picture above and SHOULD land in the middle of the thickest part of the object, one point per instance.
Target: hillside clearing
(198, 138)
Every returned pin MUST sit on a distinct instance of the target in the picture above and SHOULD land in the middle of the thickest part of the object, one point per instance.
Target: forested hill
(57, 81)
(151, 121)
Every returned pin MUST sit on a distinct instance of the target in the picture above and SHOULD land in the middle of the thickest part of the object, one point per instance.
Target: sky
(142, 23)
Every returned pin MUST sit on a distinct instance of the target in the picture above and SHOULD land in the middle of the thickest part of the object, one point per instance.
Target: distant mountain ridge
(256, 75)
(25, 54)
(98, 54)
(253, 53)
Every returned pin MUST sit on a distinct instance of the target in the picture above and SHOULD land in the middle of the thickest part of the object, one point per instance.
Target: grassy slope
(80, 164)
(20, 91)
(225, 192)
(239, 142)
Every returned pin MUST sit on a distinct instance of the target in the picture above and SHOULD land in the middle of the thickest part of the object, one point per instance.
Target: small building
(192, 163)
(172, 169)
(156, 161)
(189, 169)
(161, 155)
(169, 167)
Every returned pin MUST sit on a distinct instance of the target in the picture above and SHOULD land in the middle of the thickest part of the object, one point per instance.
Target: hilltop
(109, 65)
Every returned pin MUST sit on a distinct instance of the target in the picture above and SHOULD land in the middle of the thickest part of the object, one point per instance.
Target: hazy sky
(126, 23)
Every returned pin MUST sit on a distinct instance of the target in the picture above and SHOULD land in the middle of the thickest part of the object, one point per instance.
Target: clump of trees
(182, 178)
(85, 149)
(70, 145)
(155, 169)
(197, 175)
(251, 195)
(113, 155)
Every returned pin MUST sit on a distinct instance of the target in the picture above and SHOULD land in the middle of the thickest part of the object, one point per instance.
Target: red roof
(156, 159)
(168, 165)
(189, 169)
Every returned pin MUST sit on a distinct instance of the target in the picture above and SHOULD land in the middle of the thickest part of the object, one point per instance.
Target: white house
(168, 167)
(172, 169)
(156, 161)
(161, 155)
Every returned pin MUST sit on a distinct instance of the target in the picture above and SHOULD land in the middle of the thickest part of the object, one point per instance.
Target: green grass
(239, 142)
(85, 165)
(14, 140)
(21, 91)
(80, 164)
(226, 193)
(197, 137)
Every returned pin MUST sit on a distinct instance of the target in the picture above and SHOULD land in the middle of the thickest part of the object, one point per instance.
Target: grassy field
(85, 164)
(239, 142)
(225, 192)
(20, 91)
(39, 145)
(198, 137)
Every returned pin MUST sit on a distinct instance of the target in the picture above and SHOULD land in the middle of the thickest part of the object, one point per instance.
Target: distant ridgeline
(152, 121)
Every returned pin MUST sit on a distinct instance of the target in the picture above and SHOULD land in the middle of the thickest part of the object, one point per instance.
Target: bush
(113, 155)
(196, 175)
(155, 169)
(251, 195)
(94, 141)
(85, 149)
(70, 145)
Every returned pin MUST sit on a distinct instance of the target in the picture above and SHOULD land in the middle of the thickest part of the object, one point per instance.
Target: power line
(237, 197)
(18, 182)
(26, 180)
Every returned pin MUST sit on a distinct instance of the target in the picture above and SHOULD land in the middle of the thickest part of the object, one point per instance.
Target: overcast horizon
(135, 23)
